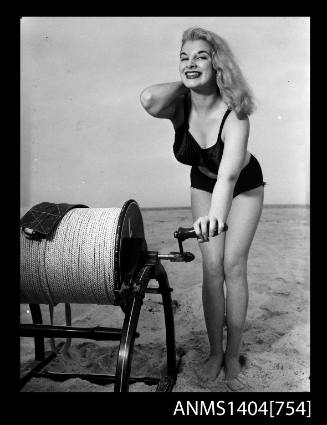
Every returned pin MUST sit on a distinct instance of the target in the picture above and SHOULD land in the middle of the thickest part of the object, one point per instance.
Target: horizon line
(264, 206)
(188, 207)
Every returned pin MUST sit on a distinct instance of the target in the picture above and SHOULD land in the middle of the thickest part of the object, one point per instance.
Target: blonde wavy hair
(232, 85)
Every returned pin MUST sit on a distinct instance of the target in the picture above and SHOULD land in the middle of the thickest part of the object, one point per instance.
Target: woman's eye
(199, 57)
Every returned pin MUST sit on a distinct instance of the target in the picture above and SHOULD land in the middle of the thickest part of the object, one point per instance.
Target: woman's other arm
(236, 134)
(235, 148)
(161, 100)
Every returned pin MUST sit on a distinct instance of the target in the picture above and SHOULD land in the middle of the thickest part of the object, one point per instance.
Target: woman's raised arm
(161, 100)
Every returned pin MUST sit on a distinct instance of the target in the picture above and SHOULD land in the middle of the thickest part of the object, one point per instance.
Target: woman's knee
(235, 268)
(213, 268)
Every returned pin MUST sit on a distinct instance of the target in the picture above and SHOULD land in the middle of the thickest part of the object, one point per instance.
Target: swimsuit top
(188, 151)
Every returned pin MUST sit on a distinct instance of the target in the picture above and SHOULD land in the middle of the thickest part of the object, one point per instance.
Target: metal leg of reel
(38, 340)
(122, 377)
(166, 383)
(39, 347)
(33, 372)
(125, 353)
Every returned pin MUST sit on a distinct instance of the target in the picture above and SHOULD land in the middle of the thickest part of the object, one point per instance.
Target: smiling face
(195, 65)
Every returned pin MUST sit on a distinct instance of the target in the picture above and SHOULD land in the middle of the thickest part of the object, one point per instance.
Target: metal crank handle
(177, 257)
(183, 233)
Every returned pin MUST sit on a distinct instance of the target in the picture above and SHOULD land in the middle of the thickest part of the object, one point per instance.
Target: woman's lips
(192, 74)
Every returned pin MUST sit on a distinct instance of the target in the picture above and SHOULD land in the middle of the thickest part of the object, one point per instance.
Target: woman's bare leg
(212, 288)
(242, 222)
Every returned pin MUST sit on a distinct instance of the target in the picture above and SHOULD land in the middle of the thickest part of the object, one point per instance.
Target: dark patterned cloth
(42, 219)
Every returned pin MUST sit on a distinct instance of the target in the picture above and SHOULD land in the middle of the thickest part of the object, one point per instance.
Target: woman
(213, 99)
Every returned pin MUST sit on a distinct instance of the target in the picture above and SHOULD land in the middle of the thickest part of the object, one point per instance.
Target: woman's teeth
(192, 74)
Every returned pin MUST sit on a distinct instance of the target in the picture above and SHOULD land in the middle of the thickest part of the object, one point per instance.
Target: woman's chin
(199, 86)
(191, 83)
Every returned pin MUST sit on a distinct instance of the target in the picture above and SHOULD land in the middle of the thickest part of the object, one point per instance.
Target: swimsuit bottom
(250, 177)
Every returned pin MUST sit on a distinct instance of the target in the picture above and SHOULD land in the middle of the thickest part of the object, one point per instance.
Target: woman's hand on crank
(208, 226)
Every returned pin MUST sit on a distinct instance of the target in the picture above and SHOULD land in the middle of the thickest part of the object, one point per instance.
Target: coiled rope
(76, 263)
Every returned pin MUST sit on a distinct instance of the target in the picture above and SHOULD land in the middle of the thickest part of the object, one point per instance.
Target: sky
(85, 137)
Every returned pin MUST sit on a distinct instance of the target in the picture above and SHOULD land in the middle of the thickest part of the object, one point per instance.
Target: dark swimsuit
(189, 152)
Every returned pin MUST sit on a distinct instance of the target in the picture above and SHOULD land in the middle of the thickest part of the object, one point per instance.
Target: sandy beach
(277, 330)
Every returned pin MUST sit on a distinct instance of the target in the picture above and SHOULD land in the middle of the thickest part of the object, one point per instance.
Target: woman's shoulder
(235, 124)
(234, 120)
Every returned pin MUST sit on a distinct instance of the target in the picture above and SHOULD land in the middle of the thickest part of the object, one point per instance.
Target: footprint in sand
(278, 264)
(281, 279)
(281, 293)
(268, 313)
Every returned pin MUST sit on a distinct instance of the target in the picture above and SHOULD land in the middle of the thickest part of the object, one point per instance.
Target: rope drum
(88, 257)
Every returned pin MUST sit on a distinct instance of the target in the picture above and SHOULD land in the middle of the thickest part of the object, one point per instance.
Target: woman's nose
(190, 63)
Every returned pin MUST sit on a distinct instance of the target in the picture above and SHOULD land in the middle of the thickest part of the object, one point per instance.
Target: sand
(277, 329)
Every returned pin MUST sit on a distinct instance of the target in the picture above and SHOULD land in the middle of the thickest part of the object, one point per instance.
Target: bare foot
(209, 371)
(238, 383)
(234, 378)
(232, 367)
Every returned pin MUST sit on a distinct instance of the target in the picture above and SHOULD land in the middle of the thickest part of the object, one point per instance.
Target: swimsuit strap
(223, 122)
(186, 110)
